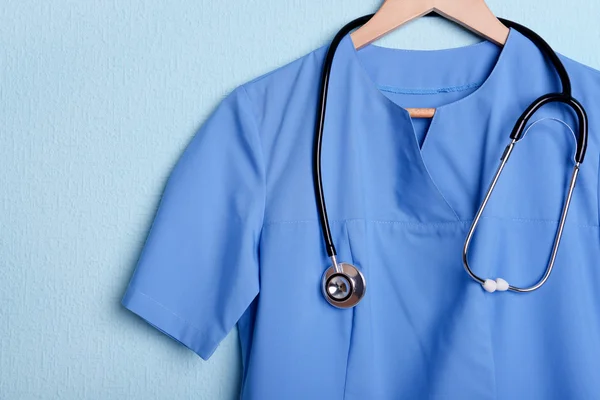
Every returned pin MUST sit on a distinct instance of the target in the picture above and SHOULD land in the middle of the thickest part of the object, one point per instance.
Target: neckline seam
(488, 81)
(444, 89)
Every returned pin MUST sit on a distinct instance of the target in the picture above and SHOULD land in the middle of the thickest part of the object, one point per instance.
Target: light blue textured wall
(97, 101)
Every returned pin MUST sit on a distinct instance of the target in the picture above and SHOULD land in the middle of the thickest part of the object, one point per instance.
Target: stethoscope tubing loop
(516, 135)
(565, 96)
(319, 126)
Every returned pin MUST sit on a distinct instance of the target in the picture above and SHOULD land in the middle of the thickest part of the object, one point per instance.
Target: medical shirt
(237, 240)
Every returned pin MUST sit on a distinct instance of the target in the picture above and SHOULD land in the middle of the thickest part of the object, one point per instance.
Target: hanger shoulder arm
(391, 15)
(475, 16)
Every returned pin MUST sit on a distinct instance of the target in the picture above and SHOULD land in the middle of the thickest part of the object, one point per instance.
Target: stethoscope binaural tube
(343, 285)
(565, 97)
(501, 284)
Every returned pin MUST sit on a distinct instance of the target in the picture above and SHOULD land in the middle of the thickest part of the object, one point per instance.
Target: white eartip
(489, 285)
(501, 285)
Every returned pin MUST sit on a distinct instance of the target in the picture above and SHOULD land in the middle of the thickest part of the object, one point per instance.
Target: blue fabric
(237, 237)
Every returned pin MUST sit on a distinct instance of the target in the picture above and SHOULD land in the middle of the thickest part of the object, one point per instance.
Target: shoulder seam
(284, 65)
(587, 67)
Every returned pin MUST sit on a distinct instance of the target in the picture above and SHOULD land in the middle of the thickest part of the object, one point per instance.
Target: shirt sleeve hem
(168, 322)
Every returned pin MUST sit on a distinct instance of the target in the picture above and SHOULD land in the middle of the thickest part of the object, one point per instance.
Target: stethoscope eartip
(499, 285)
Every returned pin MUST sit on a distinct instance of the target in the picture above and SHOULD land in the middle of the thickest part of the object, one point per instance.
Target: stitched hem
(448, 89)
(169, 323)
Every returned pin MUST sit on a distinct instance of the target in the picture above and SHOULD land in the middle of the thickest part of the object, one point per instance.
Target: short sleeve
(198, 271)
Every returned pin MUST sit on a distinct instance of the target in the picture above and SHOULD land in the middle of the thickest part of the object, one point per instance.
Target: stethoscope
(343, 284)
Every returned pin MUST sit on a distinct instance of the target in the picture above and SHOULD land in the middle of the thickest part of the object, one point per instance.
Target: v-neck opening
(477, 85)
(421, 128)
(471, 68)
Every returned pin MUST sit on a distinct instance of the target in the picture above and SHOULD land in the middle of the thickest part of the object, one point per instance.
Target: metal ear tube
(500, 284)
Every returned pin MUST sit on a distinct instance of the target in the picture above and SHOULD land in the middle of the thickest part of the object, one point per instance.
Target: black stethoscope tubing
(564, 97)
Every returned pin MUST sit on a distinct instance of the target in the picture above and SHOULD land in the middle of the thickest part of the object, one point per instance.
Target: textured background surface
(97, 101)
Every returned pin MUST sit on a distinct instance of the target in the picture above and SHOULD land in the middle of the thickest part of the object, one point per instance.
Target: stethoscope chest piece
(345, 287)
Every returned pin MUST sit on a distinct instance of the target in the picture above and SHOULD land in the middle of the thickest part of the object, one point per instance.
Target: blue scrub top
(237, 239)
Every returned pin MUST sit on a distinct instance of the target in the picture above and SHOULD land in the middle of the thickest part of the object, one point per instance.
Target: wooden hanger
(474, 15)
